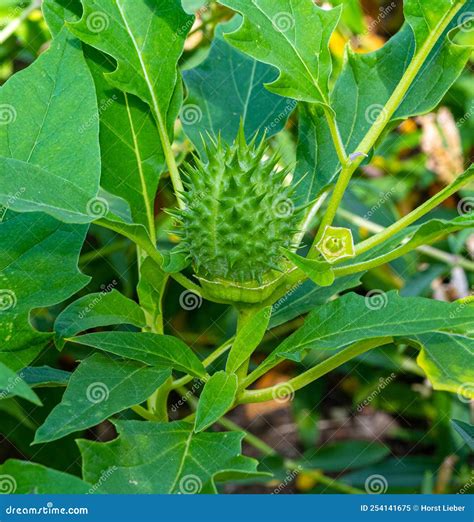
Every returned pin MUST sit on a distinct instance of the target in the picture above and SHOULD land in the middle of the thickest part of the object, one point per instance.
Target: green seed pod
(239, 216)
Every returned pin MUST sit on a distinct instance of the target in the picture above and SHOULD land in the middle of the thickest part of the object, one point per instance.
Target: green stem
(158, 402)
(384, 118)
(413, 216)
(331, 211)
(245, 315)
(144, 413)
(15, 24)
(335, 134)
(207, 362)
(151, 250)
(288, 388)
(449, 259)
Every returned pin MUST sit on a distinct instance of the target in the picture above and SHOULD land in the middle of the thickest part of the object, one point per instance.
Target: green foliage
(149, 348)
(199, 460)
(44, 174)
(239, 215)
(216, 399)
(208, 109)
(99, 388)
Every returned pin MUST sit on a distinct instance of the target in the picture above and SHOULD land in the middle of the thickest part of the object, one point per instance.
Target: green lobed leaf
(248, 338)
(366, 83)
(56, 12)
(216, 399)
(38, 172)
(94, 310)
(132, 154)
(446, 358)
(13, 385)
(466, 431)
(319, 272)
(38, 269)
(355, 318)
(27, 478)
(368, 80)
(199, 460)
(216, 105)
(149, 348)
(99, 388)
(292, 35)
(146, 38)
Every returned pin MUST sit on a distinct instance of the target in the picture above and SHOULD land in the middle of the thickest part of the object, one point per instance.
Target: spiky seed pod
(239, 215)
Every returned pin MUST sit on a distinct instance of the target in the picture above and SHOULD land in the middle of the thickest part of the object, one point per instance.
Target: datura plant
(234, 179)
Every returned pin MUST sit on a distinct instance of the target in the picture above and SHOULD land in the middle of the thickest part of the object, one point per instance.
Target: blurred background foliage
(375, 416)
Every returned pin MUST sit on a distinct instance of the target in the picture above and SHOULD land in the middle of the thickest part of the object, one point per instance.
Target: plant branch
(151, 250)
(384, 118)
(413, 216)
(288, 388)
(449, 259)
(7, 31)
(207, 362)
(335, 134)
